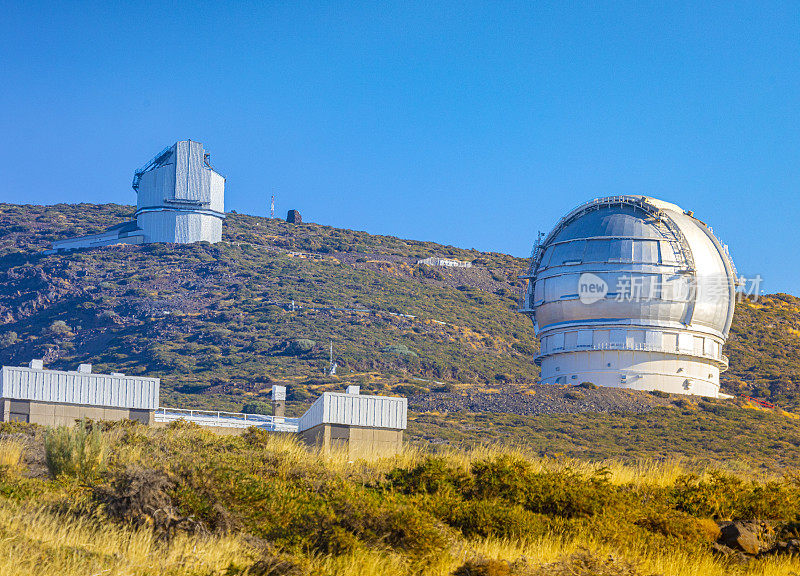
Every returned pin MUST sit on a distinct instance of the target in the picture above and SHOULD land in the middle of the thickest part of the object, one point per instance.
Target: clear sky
(468, 123)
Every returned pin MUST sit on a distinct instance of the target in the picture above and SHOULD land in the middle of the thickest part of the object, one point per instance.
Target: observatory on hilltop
(181, 199)
(631, 292)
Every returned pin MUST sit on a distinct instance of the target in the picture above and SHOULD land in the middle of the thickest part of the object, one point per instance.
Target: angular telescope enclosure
(631, 292)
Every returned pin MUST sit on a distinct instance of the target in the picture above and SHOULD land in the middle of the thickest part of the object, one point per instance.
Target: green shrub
(504, 478)
(59, 328)
(79, 452)
(563, 493)
(574, 395)
(679, 525)
(659, 393)
(299, 346)
(715, 497)
(493, 518)
(434, 475)
(400, 349)
(8, 338)
(445, 387)
(298, 393)
(257, 407)
(407, 390)
(588, 385)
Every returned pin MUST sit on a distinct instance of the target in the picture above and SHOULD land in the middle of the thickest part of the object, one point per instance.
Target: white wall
(77, 388)
(643, 370)
(356, 410)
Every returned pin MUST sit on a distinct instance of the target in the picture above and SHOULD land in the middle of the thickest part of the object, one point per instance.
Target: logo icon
(591, 288)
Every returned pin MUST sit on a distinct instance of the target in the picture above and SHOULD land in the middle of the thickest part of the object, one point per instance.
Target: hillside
(218, 320)
(217, 325)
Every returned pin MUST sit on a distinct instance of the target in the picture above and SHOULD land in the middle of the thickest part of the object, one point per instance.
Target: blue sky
(468, 123)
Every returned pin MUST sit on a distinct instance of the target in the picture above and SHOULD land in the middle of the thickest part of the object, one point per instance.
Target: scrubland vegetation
(214, 322)
(180, 500)
(731, 435)
(204, 318)
(615, 494)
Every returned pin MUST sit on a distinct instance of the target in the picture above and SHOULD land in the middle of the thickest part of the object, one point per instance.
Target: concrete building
(632, 292)
(444, 262)
(363, 426)
(359, 424)
(55, 397)
(181, 199)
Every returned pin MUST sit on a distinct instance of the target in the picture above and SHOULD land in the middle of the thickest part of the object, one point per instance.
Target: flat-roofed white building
(445, 262)
(54, 397)
(359, 424)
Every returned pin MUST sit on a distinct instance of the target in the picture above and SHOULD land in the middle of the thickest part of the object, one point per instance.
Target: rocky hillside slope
(221, 323)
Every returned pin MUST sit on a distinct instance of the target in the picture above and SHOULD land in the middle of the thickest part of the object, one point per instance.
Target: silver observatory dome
(632, 292)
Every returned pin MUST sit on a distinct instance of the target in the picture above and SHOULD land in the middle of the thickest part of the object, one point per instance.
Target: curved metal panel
(618, 263)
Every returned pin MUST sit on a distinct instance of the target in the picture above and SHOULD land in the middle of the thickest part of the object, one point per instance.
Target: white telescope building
(181, 199)
(631, 292)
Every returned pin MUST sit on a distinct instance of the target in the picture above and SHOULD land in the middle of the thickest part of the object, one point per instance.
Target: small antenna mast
(272, 207)
(334, 366)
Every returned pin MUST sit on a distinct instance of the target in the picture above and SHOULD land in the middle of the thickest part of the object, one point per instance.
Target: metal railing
(227, 419)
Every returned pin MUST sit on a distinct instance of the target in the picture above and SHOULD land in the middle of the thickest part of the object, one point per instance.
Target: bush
(298, 393)
(77, 452)
(432, 476)
(685, 404)
(562, 493)
(446, 387)
(573, 395)
(60, 328)
(400, 349)
(505, 478)
(256, 407)
(141, 497)
(407, 390)
(715, 497)
(8, 338)
(678, 525)
(299, 346)
(484, 567)
(492, 518)
(659, 393)
(588, 385)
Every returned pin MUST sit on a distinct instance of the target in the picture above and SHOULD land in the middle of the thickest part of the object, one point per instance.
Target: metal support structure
(156, 161)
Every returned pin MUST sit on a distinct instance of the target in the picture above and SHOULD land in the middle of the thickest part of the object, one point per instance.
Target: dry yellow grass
(669, 562)
(11, 453)
(40, 543)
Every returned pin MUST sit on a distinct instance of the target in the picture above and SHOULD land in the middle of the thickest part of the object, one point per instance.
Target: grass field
(183, 501)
